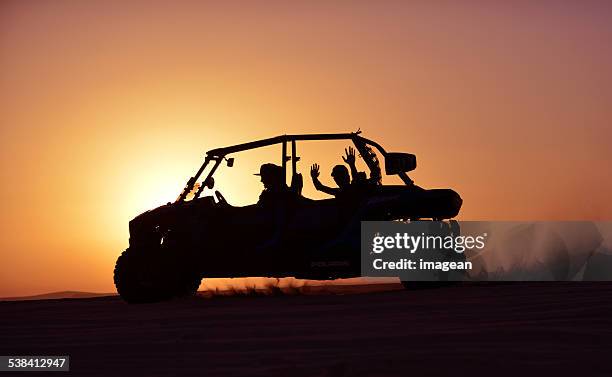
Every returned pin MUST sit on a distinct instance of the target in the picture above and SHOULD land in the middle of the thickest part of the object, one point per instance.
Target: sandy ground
(544, 329)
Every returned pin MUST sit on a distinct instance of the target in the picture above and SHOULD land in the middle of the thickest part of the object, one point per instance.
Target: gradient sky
(107, 107)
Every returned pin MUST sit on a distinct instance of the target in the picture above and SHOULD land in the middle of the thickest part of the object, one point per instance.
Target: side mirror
(396, 163)
(230, 162)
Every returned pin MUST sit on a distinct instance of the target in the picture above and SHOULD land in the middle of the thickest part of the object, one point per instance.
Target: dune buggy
(172, 247)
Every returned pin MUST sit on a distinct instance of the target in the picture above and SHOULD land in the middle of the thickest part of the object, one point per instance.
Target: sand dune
(529, 328)
(57, 296)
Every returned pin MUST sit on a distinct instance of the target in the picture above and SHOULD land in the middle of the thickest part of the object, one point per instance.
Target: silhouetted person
(275, 188)
(339, 173)
(350, 161)
(360, 179)
(277, 198)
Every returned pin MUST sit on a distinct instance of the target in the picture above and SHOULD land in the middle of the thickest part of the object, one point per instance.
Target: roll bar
(218, 154)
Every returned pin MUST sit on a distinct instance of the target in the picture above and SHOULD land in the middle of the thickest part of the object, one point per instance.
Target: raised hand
(350, 155)
(314, 171)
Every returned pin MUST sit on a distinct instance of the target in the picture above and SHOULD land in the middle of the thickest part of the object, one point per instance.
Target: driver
(277, 198)
(275, 188)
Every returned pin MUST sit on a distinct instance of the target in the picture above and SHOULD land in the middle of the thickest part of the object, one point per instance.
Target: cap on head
(270, 170)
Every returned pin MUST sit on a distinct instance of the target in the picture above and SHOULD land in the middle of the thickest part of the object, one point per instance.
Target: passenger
(339, 173)
(350, 161)
(360, 178)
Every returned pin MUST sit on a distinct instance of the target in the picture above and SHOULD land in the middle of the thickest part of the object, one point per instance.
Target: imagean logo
(339, 263)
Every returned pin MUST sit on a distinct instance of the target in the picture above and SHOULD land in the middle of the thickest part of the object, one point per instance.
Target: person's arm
(350, 160)
(314, 173)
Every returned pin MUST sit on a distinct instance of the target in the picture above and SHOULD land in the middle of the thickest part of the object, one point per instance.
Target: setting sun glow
(109, 107)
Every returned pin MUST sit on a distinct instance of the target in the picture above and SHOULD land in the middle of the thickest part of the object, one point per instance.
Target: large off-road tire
(143, 276)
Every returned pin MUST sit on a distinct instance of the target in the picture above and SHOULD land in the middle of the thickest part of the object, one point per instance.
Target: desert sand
(547, 329)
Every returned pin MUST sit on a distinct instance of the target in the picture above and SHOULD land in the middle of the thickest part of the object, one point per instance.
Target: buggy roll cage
(219, 154)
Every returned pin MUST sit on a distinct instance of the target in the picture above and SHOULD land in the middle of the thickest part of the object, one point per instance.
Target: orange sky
(107, 107)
